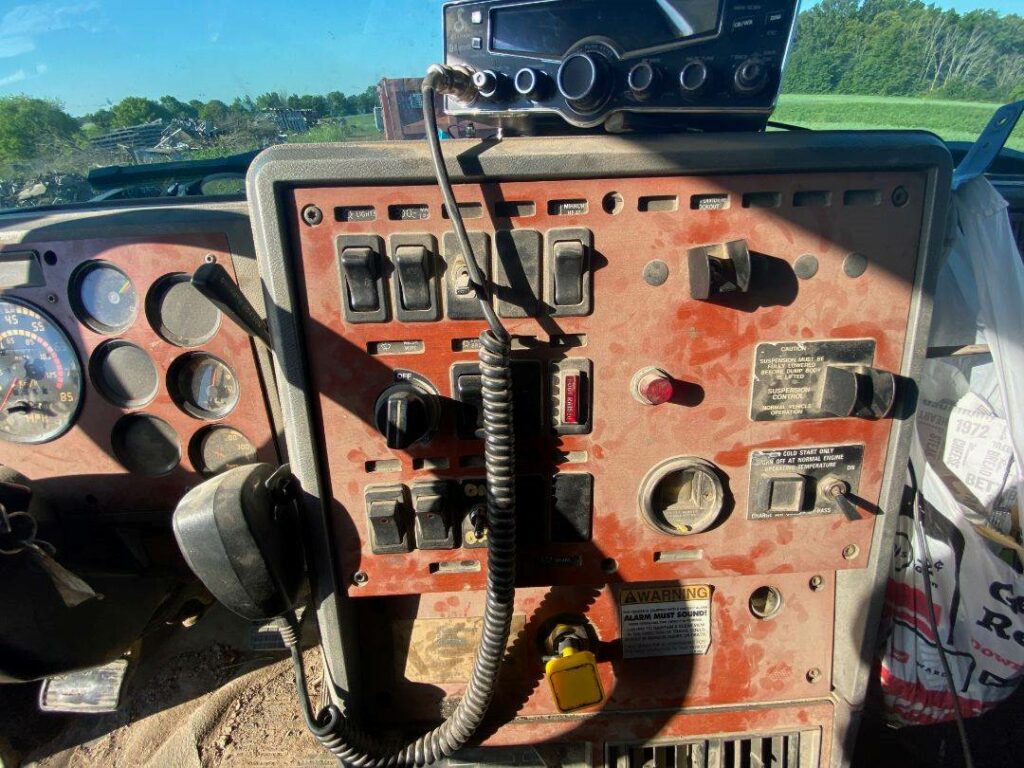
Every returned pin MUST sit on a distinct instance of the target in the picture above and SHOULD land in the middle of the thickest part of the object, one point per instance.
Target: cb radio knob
(643, 80)
(490, 84)
(694, 78)
(532, 83)
(751, 77)
(584, 81)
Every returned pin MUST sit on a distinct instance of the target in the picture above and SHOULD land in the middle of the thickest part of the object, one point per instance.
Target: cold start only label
(665, 620)
(788, 375)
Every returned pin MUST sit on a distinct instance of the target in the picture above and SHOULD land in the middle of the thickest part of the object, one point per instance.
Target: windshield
(89, 84)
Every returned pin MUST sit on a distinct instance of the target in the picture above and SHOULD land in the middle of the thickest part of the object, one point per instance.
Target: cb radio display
(549, 28)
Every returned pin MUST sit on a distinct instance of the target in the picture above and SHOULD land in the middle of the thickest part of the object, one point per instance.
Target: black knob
(643, 80)
(490, 84)
(405, 414)
(532, 83)
(694, 78)
(751, 77)
(583, 80)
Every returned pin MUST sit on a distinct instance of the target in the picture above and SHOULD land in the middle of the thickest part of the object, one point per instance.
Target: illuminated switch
(787, 493)
(572, 396)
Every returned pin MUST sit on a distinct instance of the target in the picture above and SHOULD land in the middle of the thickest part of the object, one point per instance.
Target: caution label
(665, 620)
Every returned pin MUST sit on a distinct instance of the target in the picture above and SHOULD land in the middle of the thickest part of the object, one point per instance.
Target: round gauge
(103, 297)
(217, 449)
(180, 313)
(203, 385)
(146, 445)
(40, 377)
(124, 374)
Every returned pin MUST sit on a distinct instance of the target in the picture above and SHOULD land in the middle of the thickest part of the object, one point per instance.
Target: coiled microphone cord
(330, 726)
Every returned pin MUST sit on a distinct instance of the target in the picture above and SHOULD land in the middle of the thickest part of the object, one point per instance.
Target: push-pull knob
(719, 268)
(405, 414)
(856, 390)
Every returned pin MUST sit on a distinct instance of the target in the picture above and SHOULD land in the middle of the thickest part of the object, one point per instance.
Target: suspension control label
(788, 375)
(665, 620)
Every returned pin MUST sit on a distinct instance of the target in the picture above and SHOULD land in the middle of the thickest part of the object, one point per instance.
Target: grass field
(952, 120)
(356, 128)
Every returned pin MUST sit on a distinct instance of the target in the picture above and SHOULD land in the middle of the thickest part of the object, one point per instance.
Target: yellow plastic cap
(574, 680)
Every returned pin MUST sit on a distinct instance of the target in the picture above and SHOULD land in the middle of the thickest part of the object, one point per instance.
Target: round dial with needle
(104, 297)
(40, 376)
(203, 385)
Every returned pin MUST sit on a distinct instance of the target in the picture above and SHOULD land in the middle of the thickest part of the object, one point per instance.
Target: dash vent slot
(797, 749)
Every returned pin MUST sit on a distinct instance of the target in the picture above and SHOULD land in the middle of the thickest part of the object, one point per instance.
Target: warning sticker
(666, 620)
(788, 375)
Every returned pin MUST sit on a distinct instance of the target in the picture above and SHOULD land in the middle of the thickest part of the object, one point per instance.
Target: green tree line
(907, 48)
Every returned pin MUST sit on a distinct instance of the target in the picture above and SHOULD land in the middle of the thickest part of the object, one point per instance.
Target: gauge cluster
(120, 383)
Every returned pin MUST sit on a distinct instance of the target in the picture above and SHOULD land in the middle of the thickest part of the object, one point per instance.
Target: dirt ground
(191, 703)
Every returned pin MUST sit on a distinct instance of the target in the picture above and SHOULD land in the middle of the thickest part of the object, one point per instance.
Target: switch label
(665, 620)
(789, 376)
(793, 482)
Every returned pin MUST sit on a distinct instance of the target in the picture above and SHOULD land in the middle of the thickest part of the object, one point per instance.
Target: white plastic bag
(967, 459)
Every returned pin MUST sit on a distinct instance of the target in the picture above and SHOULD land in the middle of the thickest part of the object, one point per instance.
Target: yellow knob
(574, 680)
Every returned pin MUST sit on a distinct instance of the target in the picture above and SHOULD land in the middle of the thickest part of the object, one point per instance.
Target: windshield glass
(88, 84)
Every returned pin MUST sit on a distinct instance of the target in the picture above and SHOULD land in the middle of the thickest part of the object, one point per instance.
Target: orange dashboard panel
(704, 372)
(156, 389)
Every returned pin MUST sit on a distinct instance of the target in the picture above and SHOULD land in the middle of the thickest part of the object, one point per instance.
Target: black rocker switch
(432, 508)
(568, 264)
(362, 271)
(719, 268)
(385, 509)
(412, 263)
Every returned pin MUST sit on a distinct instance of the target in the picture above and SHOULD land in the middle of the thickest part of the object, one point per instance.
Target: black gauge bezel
(179, 389)
(81, 376)
(128, 460)
(198, 442)
(99, 356)
(154, 300)
(78, 305)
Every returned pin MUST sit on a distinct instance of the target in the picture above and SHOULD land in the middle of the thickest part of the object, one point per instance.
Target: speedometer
(40, 377)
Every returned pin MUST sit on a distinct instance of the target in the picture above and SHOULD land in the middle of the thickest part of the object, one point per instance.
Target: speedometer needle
(8, 395)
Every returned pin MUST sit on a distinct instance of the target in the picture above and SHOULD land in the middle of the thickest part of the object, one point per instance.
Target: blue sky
(90, 53)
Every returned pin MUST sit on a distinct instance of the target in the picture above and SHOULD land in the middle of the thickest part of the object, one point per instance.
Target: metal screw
(813, 675)
(312, 215)
(360, 578)
(850, 551)
(817, 583)
(210, 258)
(52, 298)
(900, 196)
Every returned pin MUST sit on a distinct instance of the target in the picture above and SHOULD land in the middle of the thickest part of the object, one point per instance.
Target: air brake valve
(652, 386)
(572, 672)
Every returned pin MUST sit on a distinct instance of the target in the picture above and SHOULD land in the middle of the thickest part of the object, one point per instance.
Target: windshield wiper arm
(115, 176)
